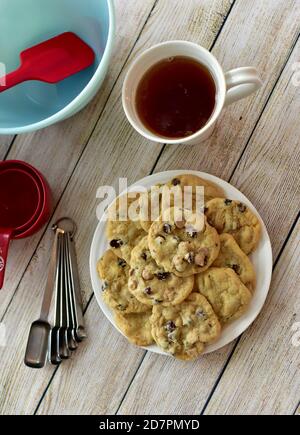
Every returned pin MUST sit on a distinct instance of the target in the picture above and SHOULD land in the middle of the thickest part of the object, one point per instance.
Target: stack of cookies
(178, 280)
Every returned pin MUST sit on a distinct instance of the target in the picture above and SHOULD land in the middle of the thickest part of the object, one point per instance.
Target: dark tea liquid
(176, 97)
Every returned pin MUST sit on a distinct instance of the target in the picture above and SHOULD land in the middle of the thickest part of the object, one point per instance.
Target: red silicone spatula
(51, 61)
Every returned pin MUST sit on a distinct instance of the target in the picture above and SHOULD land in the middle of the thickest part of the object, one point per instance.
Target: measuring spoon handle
(76, 288)
(37, 345)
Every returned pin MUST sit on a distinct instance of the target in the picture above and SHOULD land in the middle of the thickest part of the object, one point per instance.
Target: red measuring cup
(25, 205)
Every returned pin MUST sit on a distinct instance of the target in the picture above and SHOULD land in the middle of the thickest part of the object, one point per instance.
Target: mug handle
(5, 237)
(241, 82)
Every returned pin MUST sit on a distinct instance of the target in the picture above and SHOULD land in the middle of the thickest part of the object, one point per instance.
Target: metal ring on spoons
(73, 229)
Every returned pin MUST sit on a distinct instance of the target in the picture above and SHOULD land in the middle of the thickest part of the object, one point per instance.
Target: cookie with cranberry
(237, 219)
(184, 330)
(151, 284)
(226, 293)
(122, 232)
(182, 242)
(136, 327)
(233, 257)
(114, 273)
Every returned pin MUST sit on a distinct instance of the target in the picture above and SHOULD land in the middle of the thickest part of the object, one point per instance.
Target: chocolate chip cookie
(122, 233)
(151, 284)
(226, 293)
(185, 329)
(150, 206)
(114, 273)
(235, 218)
(136, 327)
(182, 242)
(211, 190)
(232, 256)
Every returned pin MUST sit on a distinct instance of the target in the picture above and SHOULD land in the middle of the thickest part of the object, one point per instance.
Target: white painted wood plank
(65, 142)
(56, 150)
(93, 381)
(114, 150)
(259, 34)
(268, 175)
(164, 385)
(265, 366)
(269, 171)
(5, 142)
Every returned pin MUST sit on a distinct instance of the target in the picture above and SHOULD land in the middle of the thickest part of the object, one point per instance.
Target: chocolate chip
(200, 314)
(144, 256)
(121, 262)
(170, 326)
(175, 181)
(104, 286)
(157, 301)
(190, 257)
(201, 257)
(191, 232)
(116, 243)
(228, 201)
(167, 228)
(205, 209)
(121, 307)
(162, 276)
(148, 291)
(242, 208)
(236, 268)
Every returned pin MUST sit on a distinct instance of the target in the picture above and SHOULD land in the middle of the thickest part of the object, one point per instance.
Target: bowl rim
(88, 89)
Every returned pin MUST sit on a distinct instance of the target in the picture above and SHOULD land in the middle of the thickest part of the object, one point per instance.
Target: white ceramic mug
(232, 86)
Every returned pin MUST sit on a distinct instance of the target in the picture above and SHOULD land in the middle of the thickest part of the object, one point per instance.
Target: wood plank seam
(158, 157)
(79, 158)
(130, 383)
(239, 338)
(222, 26)
(266, 104)
(215, 386)
(9, 147)
(297, 407)
(45, 391)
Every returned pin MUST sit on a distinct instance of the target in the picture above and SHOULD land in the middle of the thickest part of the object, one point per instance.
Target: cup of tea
(175, 91)
(25, 205)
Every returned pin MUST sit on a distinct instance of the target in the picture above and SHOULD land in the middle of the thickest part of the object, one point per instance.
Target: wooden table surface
(255, 147)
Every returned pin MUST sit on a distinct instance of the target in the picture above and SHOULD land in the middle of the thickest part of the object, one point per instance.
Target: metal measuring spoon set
(60, 338)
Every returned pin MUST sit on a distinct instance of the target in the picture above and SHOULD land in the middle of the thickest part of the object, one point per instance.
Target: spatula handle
(12, 79)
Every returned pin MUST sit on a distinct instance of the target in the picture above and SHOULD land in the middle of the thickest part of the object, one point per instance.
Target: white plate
(261, 258)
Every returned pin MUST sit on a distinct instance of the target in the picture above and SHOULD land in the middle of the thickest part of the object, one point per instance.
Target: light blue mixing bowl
(24, 23)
